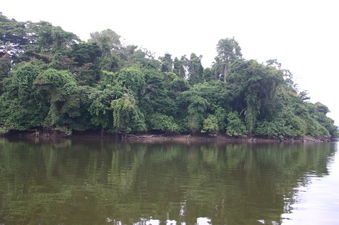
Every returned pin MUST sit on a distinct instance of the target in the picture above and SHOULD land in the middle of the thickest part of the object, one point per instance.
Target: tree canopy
(49, 78)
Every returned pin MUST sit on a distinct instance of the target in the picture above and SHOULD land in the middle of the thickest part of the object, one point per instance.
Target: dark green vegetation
(51, 79)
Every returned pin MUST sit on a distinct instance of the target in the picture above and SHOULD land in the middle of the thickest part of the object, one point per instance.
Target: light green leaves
(126, 114)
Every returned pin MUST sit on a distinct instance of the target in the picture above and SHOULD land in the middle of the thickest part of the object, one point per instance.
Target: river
(75, 181)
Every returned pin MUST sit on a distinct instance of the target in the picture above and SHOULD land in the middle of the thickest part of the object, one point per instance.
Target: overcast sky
(302, 35)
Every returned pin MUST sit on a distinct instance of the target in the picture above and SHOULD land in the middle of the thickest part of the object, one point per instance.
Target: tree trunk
(225, 72)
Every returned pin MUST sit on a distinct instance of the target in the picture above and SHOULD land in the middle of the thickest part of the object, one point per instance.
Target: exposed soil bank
(153, 137)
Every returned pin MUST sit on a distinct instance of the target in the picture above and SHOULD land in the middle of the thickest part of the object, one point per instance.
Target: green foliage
(126, 115)
(257, 86)
(228, 51)
(133, 79)
(166, 63)
(21, 107)
(196, 111)
(110, 46)
(296, 126)
(195, 70)
(320, 114)
(49, 78)
(157, 97)
(13, 37)
(207, 75)
(106, 39)
(179, 85)
(100, 107)
(272, 128)
(67, 102)
(143, 58)
(85, 52)
(210, 125)
(178, 67)
(162, 122)
(235, 126)
(5, 67)
(221, 116)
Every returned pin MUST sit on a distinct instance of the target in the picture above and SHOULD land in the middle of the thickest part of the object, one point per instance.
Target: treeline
(49, 78)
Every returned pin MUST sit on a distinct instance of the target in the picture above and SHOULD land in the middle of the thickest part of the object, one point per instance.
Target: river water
(109, 182)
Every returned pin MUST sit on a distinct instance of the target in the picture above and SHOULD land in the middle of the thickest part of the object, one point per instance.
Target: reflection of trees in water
(88, 182)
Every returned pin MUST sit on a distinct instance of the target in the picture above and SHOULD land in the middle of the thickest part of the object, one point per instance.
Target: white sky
(302, 34)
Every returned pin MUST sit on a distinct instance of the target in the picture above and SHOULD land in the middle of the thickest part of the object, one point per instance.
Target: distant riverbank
(218, 138)
(155, 137)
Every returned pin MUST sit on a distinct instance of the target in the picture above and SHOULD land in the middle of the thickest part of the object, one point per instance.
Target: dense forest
(50, 79)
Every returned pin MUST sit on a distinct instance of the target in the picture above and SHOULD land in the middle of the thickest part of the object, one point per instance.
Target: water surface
(109, 182)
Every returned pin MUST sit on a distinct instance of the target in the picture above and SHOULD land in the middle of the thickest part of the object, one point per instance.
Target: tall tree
(106, 39)
(228, 51)
(178, 68)
(166, 63)
(109, 43)
(48, 39)
(256, 85)
(13, 37)
(86, 55)
(195, 69)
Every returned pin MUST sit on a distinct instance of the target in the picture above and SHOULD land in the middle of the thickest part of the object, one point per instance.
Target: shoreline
(145, 137)
(221, 138)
